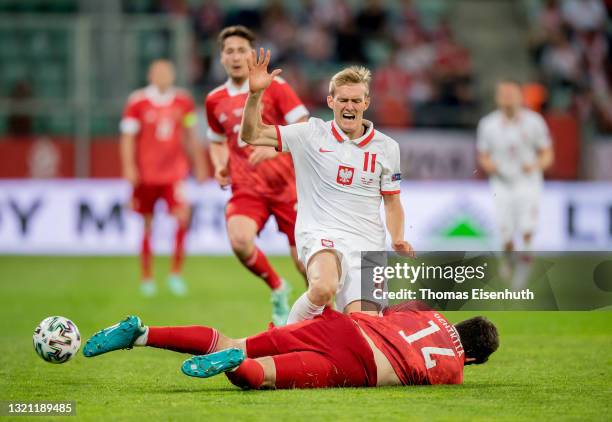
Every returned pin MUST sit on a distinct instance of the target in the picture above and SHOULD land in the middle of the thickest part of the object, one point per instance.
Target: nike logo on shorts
(325, 150)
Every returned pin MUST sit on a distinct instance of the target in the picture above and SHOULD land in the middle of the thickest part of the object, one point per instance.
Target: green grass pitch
(550, 366)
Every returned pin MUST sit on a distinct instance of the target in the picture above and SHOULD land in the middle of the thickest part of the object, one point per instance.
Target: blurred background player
(514, 148)
(345, 169)
(158, 124)
(262, 181)
(334, 350)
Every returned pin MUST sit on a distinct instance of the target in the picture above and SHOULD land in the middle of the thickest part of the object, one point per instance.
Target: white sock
(304, 309)
(141, 340)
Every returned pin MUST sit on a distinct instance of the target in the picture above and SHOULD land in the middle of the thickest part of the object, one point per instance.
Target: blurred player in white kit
(344, 170)
(514, 149)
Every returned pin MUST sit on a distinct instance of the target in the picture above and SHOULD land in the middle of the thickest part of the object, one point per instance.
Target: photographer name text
(474, 294)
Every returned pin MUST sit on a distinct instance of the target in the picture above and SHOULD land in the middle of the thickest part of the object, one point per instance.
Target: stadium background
(66, 68)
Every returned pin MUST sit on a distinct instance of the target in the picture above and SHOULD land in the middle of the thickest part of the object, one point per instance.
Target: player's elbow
(248, 135)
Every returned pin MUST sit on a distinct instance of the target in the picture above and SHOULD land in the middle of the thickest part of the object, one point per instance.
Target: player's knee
(241, 242)
(321, 291)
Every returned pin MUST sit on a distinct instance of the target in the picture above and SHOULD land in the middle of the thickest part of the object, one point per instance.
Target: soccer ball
(56, 339)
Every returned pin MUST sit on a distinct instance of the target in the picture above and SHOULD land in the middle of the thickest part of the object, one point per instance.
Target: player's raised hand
(259, 78)
(404, 248)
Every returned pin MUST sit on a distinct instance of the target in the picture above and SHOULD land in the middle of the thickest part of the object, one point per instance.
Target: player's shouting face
(349, 102)
(234, 56)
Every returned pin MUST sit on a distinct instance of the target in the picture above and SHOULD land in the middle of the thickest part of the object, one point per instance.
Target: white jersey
(513, 144)
(340, 182)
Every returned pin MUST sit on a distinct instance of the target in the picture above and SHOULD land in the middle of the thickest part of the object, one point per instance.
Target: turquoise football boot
(206, 366)
(177, 285)
(280, 304)
(119, 336)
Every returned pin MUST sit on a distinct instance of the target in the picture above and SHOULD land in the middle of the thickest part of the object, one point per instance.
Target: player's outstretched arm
(252, 130)
(394, 215)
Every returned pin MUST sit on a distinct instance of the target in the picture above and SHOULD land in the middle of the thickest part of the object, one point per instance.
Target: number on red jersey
(427, 351)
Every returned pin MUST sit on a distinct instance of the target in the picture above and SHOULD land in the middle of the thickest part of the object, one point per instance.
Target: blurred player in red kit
(262, 181)
(157, 128)
(402, 347)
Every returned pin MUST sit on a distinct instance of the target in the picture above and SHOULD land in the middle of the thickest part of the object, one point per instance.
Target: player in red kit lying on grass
(407, 347)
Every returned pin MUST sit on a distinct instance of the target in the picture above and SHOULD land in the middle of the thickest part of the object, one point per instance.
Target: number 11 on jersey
(369, 161)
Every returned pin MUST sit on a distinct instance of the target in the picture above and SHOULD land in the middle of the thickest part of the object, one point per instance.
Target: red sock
(146, 255)
(179, 250)
(259, 265)
(250, 374)
(195, 339)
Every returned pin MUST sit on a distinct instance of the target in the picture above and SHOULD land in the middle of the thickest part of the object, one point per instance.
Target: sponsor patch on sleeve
(396, 176)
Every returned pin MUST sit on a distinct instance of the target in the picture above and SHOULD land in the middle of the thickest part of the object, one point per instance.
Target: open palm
(259, 78)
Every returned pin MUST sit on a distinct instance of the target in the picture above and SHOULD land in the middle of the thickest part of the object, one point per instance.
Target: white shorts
(349, 254)
(517, 208)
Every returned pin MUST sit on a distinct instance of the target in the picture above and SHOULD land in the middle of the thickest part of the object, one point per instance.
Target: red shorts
(332, 335)
(259, 209)
(145, 196)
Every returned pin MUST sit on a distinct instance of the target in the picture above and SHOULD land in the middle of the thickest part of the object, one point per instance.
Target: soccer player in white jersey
(344, 170)
(514, 148)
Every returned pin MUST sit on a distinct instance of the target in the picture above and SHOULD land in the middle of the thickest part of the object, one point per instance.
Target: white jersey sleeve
(291, 138)
(391, 174)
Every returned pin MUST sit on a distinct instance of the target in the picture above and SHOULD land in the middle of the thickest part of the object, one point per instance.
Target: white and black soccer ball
(56, 339)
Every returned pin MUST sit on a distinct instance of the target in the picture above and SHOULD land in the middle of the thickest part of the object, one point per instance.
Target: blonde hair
(351, 75)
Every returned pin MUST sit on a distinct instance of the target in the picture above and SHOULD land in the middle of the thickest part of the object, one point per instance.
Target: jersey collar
(516, 119)
(361, 141)
(152, 93)
(233, 89)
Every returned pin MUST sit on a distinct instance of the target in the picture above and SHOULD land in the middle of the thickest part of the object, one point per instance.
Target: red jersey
(422, 346)
(158, 121)
(224, 105)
